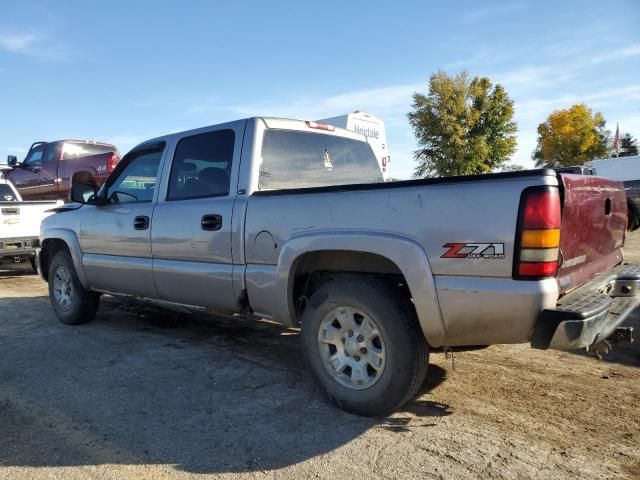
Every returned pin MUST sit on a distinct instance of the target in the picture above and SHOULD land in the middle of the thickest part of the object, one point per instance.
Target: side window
(51, 153)
(136, 181)
(202, 166)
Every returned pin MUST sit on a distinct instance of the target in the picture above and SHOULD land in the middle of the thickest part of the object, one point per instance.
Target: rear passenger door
(192, 222)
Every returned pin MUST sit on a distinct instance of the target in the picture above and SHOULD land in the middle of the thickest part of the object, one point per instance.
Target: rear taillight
(538, 234)
(112, 162)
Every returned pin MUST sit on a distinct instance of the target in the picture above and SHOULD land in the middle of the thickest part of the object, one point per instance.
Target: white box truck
(371, 127)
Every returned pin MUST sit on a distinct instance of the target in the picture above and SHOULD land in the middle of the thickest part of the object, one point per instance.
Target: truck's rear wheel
(72, 303)
(363, 344)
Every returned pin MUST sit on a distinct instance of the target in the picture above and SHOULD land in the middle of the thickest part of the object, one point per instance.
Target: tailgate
(594, 216)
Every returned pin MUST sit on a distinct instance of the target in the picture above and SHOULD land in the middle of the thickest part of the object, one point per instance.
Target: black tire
(406, 350)
(32, 262)
(632, 219)
(83, 303)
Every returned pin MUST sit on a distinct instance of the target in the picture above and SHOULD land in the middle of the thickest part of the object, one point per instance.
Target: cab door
(192, 222)
(115, 234)
(27, 176)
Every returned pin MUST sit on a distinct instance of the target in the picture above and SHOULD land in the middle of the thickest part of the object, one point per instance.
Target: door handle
(211, 222)
(141, 222)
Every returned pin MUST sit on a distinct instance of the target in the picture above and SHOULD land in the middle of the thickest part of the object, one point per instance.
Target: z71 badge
(474, 250)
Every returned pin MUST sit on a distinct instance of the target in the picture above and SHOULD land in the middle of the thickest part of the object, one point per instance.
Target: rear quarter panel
(428, 216)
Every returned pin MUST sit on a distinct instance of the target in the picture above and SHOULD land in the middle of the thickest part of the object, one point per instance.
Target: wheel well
(50, 247)
(634, 217)
(83, 177)
(312, 269)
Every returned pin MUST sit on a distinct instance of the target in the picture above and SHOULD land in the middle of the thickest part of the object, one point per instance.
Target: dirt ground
(148, 393)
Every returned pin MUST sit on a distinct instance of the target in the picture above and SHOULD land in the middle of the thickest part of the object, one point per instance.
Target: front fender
(407, 255)
(71, 239)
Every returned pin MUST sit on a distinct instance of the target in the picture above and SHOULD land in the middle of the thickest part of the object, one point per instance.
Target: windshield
(7, 194)
(295, 159)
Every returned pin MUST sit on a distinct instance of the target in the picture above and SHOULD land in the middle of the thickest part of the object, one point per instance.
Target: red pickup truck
(50, 169)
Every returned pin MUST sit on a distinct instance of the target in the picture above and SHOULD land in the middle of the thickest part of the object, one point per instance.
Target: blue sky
(122, 72)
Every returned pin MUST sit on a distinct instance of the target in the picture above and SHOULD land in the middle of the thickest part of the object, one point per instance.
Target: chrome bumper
(591, 313)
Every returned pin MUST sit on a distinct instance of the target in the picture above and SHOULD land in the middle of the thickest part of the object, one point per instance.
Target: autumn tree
(571, 137)
(628, 146)
(462, 125)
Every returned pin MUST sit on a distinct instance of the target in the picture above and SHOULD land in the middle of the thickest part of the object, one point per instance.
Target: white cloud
(616, 54)
(35, 44)
(16, 43)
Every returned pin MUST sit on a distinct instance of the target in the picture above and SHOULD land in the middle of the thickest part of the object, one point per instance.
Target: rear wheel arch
(396, 258)
(84, 177)
(311, 269)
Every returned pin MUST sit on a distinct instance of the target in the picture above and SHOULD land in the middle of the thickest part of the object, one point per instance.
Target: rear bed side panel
(471, 212)
(594, 216)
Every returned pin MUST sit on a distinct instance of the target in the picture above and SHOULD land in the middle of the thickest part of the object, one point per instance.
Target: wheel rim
(63, 287)
(351, 347)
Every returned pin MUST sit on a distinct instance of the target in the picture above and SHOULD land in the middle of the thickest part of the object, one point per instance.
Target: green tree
(628, 146)
(571, 137)
(463, 126)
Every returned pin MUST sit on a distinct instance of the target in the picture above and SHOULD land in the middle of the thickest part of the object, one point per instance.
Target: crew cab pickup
(19, 224)
(50, 169)
(290, 221)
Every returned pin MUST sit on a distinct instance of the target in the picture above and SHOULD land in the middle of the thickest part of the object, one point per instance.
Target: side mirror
(82, 193)
(12, 160)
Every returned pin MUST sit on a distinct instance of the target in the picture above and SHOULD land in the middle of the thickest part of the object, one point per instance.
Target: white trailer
(371, 127)
(620, 168)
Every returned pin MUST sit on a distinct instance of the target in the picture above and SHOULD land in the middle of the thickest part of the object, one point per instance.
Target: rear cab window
(76, 150)
(297, 159)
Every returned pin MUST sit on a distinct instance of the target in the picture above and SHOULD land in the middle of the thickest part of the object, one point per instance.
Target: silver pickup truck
(290, 221)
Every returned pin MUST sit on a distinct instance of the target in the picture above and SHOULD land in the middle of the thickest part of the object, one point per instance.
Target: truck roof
(270, 122)
(73, 140)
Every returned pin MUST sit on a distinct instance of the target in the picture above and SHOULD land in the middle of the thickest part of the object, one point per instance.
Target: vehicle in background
(627, 170)
(19, 224)
(50, 169)
(371, 127)
(291, 221)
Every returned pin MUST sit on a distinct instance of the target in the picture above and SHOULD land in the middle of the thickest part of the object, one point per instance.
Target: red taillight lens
(541, 209)
(538, 269)
(538, 236)
(112, 162)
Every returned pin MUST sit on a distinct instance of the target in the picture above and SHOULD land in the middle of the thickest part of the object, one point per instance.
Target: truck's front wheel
(363, 344)
(72, 303)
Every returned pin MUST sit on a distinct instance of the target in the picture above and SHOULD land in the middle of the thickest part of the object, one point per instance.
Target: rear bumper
(590, 313)
(18, 247)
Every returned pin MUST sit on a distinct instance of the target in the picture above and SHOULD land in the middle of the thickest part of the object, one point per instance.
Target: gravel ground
(143, 392)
